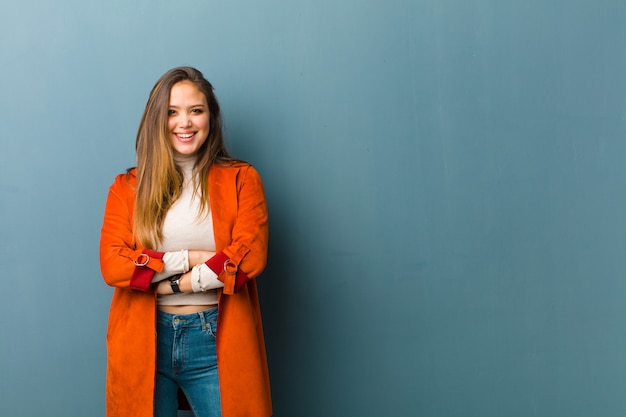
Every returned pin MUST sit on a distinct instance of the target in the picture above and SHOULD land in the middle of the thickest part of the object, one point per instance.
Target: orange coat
(239, 215)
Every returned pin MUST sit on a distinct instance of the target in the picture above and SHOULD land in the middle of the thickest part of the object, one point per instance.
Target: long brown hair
(159, 180)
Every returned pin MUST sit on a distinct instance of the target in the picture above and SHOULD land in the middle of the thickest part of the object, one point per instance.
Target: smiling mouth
(184, 136)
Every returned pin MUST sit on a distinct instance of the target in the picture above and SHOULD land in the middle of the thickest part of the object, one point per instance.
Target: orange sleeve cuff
(147, 263)
(228, 272)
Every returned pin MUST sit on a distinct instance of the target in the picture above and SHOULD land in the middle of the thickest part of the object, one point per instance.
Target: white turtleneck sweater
(184, 229)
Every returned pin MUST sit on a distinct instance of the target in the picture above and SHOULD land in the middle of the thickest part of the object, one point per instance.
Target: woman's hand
(164, 287)
(197, 257)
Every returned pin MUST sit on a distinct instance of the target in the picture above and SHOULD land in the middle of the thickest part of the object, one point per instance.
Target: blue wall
(446, 182)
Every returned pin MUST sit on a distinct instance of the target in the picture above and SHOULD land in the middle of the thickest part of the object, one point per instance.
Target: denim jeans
(186, 358)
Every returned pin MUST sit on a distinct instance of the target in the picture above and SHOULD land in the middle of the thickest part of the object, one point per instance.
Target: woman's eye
(171, 112)
(197, 111)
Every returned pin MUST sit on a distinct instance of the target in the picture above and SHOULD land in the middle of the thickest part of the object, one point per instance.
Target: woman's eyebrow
(193, 105)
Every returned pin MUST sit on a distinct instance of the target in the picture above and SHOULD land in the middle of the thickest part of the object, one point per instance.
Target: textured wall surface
(445, 179)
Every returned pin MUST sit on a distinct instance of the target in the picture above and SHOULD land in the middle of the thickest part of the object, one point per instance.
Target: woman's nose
(184, 121)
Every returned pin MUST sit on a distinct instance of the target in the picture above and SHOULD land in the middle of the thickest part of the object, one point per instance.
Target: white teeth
(185, 135)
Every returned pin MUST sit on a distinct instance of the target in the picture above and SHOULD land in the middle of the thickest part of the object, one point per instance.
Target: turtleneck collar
(185, 162)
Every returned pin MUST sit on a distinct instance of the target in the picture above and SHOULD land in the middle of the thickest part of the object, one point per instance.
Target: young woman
(183, 237)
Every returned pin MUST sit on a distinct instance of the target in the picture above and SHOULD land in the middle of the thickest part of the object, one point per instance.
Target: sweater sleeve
(174, 263)
(204, 279)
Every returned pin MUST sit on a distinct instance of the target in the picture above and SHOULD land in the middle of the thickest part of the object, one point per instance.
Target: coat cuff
(146, 264)
(228, 272)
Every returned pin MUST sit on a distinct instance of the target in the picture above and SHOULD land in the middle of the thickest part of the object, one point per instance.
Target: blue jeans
(186, 358)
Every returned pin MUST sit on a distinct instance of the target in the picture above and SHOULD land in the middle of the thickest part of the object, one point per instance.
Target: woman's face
(188, 120)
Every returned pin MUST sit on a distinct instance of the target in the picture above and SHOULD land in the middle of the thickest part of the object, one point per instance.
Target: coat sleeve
(122, 263)
(246, 255)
